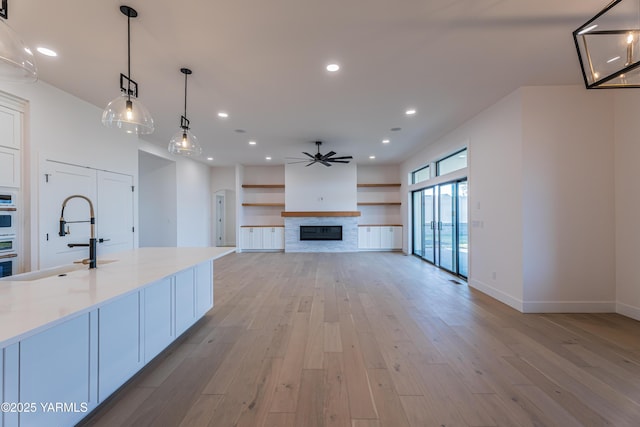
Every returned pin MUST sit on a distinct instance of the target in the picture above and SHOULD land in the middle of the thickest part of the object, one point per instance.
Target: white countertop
(27, 307)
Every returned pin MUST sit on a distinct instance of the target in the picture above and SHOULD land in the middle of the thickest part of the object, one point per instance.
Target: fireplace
(320, 232)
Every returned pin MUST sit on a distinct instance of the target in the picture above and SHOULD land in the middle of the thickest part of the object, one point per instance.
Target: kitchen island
(70, 336)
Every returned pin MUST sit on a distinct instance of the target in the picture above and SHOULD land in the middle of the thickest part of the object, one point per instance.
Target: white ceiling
(264, 63)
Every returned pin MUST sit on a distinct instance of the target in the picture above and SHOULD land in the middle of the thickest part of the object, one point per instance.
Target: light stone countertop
(30, 306)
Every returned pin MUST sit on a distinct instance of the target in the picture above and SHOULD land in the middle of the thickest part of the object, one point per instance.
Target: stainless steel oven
(8, 244)
(8, 221)
(8, 199)
(8, 264)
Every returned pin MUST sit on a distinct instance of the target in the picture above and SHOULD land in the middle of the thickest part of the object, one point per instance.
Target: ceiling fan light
(185, 143)
(17, 63)
(128, 114)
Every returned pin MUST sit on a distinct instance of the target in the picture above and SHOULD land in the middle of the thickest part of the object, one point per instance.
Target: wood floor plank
(336, 403)
(375, 340)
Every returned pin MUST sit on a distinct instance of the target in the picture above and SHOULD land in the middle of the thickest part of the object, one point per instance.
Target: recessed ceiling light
(268, 158)
(332, 68)
(410, 112)
(385, 141)
(223, 115)
(45, 51)
(252, 143)
(209, 158)
(396, 129)
(372, 157)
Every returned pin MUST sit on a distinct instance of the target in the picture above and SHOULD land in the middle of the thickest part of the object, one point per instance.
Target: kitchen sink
(53, 271)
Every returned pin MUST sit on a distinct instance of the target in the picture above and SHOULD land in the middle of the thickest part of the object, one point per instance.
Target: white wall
(627, 206)
(494, 140)
(157, 199)
(321, 188)
(193, 197)
(223, 182)
(568, 200)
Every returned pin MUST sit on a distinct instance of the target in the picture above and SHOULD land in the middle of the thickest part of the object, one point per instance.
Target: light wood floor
(379, 339)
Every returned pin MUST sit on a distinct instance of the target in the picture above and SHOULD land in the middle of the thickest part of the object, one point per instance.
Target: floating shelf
(262, 185)
(281, 205)
(378, 185)
(379, 225)
(261, 226)
(379, 203)
(320, 213)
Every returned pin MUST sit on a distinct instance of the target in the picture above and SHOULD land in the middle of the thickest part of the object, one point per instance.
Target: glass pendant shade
(185, 143)
(17, 63)
(128, 114)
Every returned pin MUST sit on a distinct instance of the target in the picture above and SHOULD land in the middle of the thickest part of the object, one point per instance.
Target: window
(452, 163)
(420, 175)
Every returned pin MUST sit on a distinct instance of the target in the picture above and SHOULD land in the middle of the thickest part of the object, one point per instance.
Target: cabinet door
(397, 238)
(386, 238)
(185, 297)
(120, 349)
(9, 167)
(158, 327)
(362, 237)
(251, 237)
(278, 237)
(10, 128)
(204, 288)
(10, 382)
(55, 367)
(272, 238)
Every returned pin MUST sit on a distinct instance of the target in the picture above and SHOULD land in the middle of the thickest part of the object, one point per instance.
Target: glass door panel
(417, 223)
(428, 225)
(447, 226)
(463, 230)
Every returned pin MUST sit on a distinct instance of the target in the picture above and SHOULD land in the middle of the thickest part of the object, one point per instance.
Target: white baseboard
(628, 310)
(569, 307)
(497, 294)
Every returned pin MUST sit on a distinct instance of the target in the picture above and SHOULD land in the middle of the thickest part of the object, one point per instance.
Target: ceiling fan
(325, 159)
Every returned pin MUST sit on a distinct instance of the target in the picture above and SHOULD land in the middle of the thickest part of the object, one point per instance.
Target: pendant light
(184, 142)
(126, 112)
(17, 63)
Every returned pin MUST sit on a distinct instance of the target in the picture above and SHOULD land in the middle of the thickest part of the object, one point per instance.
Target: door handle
(103, 240)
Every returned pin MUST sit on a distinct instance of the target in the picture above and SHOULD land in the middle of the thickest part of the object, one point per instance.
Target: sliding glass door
(440, 226)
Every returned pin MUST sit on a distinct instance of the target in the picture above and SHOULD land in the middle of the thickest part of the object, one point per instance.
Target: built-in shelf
(379, 185)
(379, 225)
(261, 226)
(320, 213)
(281, 205)
(379, 203)
(262, 185)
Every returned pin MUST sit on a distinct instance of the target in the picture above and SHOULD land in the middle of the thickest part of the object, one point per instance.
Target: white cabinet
(262, 238)
(204, 288)
(380, 237)
(120, 347)
(10, 128)
(55, 367)
(185, 298)
(9, 167)
(158, 326)
(10, 382)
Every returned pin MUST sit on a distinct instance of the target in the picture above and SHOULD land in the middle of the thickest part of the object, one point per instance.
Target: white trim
(497, 294)
(569, 307)
(628, 310)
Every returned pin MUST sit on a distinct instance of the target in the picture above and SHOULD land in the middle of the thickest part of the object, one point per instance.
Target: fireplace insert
(320, 232)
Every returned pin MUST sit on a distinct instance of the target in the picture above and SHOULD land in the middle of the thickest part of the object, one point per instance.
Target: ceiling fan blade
(310, 164)
(341, 158)
(337, 161)
(297, 158)
(329, 154)
(297, 161)
(325, 163)
(304, 152)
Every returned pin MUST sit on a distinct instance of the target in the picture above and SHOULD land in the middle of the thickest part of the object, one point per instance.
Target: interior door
(57, 183)
(219, 220)
(114, 216)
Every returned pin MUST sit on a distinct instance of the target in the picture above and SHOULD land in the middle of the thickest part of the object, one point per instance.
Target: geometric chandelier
(608, 47)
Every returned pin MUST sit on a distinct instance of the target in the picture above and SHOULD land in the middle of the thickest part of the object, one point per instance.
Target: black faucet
(92, 241)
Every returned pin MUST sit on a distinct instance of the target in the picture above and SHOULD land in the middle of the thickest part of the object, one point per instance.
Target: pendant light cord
(185, 94)
(128, 57)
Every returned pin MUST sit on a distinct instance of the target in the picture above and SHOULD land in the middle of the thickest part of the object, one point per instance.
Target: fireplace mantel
(320, 214)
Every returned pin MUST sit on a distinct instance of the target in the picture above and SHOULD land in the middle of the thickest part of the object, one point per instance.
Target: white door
(57, 182)
(114, 215)
(220, 220)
